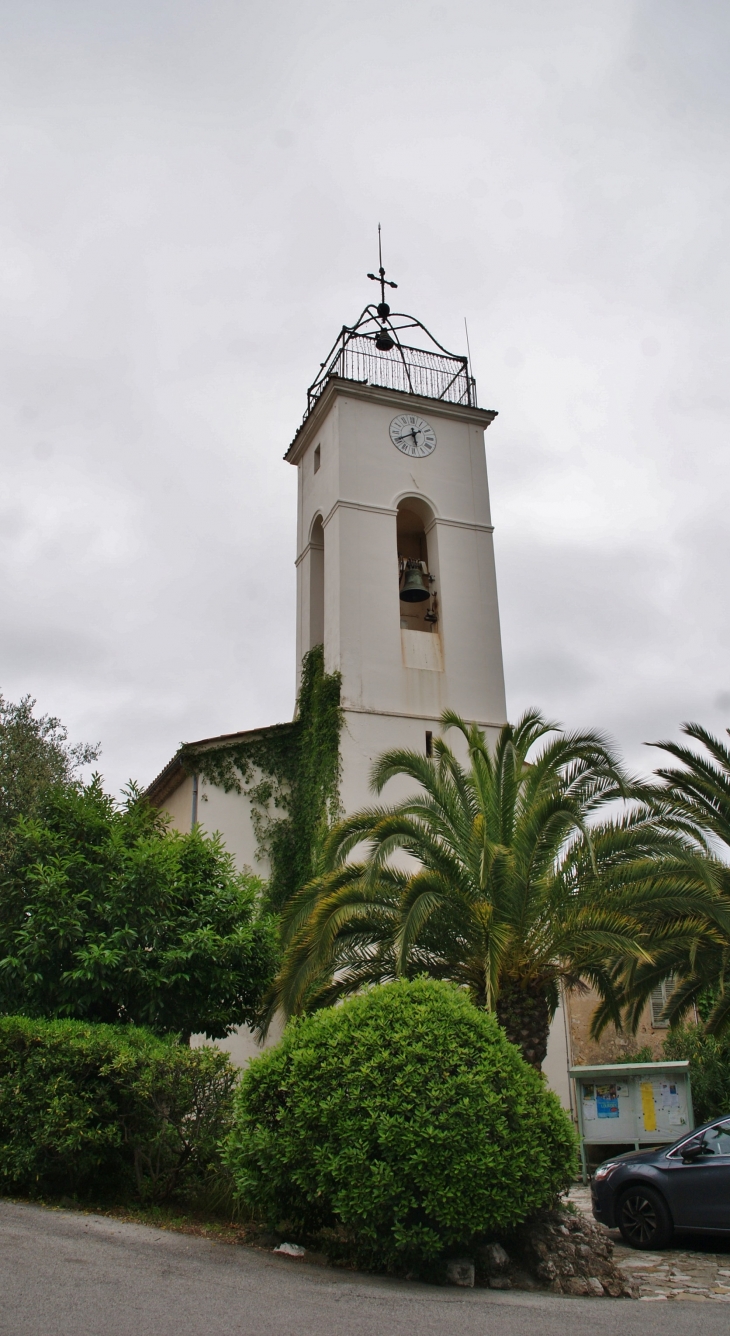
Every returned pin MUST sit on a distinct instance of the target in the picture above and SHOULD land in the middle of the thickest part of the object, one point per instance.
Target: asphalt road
(67, 1274)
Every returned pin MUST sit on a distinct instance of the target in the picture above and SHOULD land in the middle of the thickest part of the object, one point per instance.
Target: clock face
(413, 435)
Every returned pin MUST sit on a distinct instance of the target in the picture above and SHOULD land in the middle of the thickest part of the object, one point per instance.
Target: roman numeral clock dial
(412, 435)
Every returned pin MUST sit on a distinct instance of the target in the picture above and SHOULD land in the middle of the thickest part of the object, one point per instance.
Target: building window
(658, 1001)
(317, 457)
(316, 584)
(429, 743)
(419, 609)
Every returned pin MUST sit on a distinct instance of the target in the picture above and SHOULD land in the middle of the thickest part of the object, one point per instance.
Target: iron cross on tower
(383, 308)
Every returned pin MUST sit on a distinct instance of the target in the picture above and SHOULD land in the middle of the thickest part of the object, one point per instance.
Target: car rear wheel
(643, 1218)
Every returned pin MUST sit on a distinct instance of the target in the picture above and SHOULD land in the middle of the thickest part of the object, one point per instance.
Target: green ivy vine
(291, 776)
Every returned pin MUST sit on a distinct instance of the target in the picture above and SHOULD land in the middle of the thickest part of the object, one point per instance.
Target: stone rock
(500, 1283)
(460, 1271)
(493, 1258)
(522, 1280)
(615, 1288)
(577, 1285)
(569, 1254)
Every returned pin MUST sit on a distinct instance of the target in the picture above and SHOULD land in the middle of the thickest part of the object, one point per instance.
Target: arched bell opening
(417, 591)
(316, 584)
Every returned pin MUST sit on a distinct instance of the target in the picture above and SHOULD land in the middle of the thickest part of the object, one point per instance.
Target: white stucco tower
(393, 500)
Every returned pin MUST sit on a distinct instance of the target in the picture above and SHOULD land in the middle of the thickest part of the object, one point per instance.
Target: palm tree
(510, 886)
(695, 801)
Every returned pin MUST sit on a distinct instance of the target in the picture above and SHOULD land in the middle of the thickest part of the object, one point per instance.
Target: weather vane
(383, 308)
(383, 340)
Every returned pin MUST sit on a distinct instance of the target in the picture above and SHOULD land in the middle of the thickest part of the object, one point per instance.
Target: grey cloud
(188, 214)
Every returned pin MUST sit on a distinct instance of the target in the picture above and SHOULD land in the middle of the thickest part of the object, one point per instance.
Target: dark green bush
(109, 1112)
(405, 1120)
(709, 1069)
(106, 915)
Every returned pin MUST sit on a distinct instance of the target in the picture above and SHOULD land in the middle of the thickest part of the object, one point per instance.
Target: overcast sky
(189, 201)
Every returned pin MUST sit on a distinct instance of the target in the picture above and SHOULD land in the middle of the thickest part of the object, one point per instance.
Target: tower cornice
(375, 394)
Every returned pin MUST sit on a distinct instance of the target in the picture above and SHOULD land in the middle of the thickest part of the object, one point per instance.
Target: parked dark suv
(650, 1193)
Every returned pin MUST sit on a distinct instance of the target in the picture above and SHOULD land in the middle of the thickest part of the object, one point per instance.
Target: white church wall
(357, 490)
(229, 814)
(179, 805)
(470, 623)
(366, 736)
(557, 1059)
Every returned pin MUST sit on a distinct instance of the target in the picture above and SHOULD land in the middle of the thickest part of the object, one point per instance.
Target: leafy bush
(709, 1069)
(405, 1120)
(110, 1112)
(105, 915)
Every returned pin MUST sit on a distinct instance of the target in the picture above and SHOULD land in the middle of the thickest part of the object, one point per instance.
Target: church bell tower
(395, 564)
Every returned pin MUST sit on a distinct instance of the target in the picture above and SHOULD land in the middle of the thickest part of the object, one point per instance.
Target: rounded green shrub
(405, 1120)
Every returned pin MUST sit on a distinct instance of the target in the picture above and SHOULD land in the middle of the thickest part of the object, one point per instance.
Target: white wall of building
(558, 1060)
(396, 682)
(228, 814)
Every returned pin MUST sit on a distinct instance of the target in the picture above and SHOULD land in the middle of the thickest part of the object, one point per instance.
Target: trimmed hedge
(404, 1122)
(109, 1112)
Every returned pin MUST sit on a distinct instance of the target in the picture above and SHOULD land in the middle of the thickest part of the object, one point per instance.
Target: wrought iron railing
(359, 354)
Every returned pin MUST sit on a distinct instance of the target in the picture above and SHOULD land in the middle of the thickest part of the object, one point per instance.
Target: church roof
(174, 773)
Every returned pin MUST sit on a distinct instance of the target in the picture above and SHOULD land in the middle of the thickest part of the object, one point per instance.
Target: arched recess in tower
(316, 584)
(417, 566)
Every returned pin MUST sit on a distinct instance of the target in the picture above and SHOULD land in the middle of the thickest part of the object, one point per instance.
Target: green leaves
(511, 879)
(401, 1121)
(106, 1111)
(34, 756)
(691, 941)
(107, 916)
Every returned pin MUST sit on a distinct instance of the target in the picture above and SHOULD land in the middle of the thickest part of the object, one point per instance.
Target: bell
(383, 341)
(414, 589)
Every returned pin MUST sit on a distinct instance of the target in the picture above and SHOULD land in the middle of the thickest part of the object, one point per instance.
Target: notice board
(636, 1104)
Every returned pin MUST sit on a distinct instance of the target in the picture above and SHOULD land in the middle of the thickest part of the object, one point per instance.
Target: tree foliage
(109, 1111)
(709, 1068)
(515, 881)
(694, 801)
(34, 756)
(403, 1121)
(105, 915)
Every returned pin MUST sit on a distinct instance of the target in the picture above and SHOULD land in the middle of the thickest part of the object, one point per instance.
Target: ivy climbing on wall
(291, 776)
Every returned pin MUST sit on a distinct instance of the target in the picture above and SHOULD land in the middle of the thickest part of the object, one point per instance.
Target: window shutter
(658, 1002)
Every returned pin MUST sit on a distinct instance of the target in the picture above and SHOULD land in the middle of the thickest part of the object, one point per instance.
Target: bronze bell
(383, 341)
(414, 588)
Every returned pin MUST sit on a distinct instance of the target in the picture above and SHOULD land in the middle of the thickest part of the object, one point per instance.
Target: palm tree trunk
(524, 1015)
